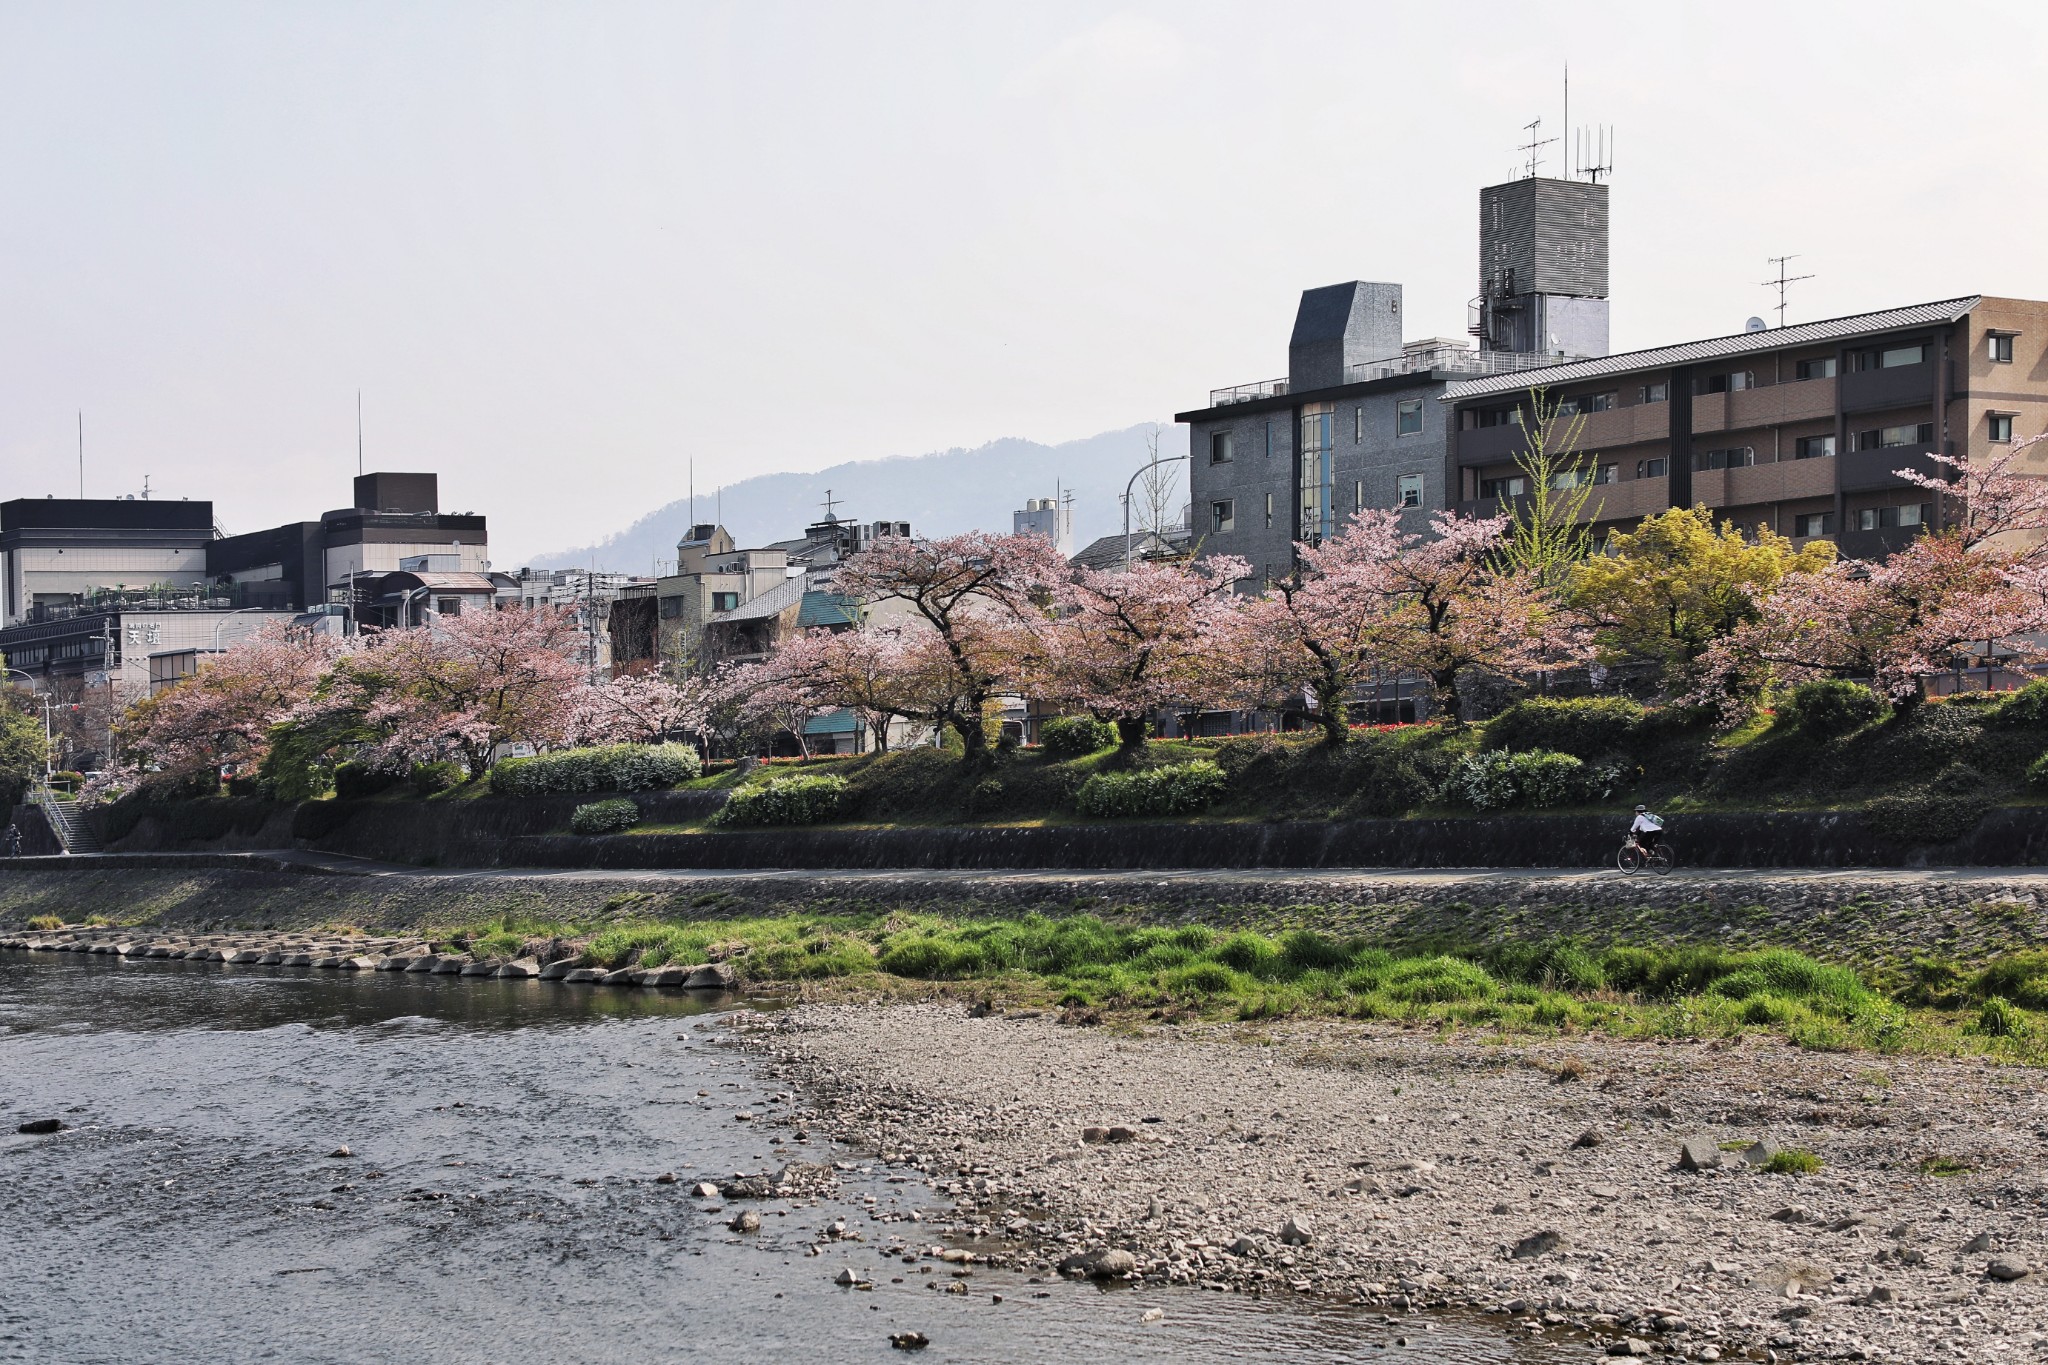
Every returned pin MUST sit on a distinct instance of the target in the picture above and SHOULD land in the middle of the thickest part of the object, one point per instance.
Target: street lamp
(224, 620)
(1143, 470)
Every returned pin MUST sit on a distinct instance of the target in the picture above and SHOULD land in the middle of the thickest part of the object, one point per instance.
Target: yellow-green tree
(1677, 583)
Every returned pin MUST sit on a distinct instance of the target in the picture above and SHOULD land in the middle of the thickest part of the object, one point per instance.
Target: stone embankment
(550, 960)
(1618, 1194)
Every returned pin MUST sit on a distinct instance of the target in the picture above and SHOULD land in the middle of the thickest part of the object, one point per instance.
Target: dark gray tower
(1542, 267)
(1340, 325)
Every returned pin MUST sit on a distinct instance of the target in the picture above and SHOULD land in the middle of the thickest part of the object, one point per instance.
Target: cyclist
(1646, 829)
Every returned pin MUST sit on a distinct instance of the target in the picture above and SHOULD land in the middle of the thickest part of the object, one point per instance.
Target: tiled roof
(778, 599)
(1716, 348)
(828, 609)
(1108, 552)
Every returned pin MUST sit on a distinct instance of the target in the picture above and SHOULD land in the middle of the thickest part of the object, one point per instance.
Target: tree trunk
(1130, 733)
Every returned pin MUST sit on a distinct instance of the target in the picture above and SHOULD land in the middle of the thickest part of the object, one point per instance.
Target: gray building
(1357, 422)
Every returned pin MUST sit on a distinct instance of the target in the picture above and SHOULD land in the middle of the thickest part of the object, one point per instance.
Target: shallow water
(181, 1217)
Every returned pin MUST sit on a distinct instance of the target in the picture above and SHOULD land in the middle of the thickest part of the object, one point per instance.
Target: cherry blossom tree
(459, 688)
(870, 672)
(1127, 642)
(640, 708)
(226, 713)
(979, 594)
(1991, 498)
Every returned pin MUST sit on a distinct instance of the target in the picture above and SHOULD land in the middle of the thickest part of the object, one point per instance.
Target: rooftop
(1717, 348)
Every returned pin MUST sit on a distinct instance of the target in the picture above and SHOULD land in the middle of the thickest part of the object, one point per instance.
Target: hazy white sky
(565, 248)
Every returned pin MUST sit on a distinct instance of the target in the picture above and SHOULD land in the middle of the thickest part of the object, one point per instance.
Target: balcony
(1622, 501)
(1805, 400)
(1492, 445)
(1247, 393)
(1459, 360)
(1866, 469)
(1902, 386)
(1879, 544)
(1764, 483)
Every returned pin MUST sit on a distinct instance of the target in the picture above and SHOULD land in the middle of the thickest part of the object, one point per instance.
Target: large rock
(1538, 1244)
(426, 962)
(41, 1126)
(1294, 1234)
(665, 976)
(585, 974)
(1759, 1153)
(520, 970)
(1107, 1263)
(712, 976)
(558, 971)
(1699, 1154)
(450, 964)
(2008, 1268)
(487, 967)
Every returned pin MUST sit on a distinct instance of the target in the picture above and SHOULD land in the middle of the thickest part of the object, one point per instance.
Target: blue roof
(834, 723)
(827, 609)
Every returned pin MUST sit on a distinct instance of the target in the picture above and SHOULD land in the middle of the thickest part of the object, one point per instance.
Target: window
(1913, 514)
(2000, 344)
(671, 608)
(1813, 448)
(1408, 417)
(1221, 447)
(1269, 511)
(1891, 357)
(1609, 473)
(1885, 518)
(1649, 469)
(1737, 458)
(1408, 490)
(1318, 487)
(1223, 515)
(1823, 368)
(1498, 417)
(1358, 495)
(1357, 424)
(2001, 427)
(448, 606)
(1269, 440)
(725, 601)
(1507, 486)
(1655, 393)
(1584, 403)
(1910, 434)
(1814, 524)
(1733, 382)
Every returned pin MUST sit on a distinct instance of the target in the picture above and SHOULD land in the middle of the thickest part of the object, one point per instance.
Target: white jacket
(1646, 822)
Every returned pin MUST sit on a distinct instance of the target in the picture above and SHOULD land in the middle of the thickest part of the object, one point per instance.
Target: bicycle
(1633, 857)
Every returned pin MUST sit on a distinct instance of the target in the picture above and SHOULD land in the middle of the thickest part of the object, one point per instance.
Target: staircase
(67, 821)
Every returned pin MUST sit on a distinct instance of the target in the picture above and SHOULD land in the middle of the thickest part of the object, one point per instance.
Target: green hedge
(1497, 780)
(1065, 737)
(354, 781)
(801, 799)
(1584, 727)
(604, 817)
(610, 768)
(1831, 708)
(1179, 789)
(428, 778)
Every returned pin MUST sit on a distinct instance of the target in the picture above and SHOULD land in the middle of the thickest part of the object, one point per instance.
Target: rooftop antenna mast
(831, 505)
(1782, 281)
(1535, 145)
(359, 433)
(81, 455)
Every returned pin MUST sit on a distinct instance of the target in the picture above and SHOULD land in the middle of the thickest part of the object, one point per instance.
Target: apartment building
(1357, 421)
(1802, 429)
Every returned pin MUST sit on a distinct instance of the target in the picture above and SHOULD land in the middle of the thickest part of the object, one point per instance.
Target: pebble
(748, 1221)
(41, 1126)
(2008, 1268)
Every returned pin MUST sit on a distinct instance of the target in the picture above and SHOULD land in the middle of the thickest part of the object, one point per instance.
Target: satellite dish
(1753, 325)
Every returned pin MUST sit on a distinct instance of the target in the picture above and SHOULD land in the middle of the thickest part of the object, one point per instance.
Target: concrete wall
(1263, 464)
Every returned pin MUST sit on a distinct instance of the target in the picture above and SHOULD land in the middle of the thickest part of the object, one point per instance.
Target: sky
(567, 251)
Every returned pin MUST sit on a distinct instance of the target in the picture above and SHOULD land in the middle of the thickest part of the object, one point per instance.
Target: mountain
(938, 494)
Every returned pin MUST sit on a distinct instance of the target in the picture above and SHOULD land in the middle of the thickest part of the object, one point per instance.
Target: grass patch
(1792, 1161)
(1943, 1167)
(45, 923)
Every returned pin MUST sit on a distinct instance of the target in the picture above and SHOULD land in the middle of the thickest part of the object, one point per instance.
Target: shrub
(1832, 707)
(2024, 709)
(604, 817)
(1497, 780)
(1065, 737)
(1585, 727)
(1178, 789)
(354, 781)
(428, 778)
(2000, 1018)
(45, 922)
(2037, 774)
(2019, 977)
(1792, 1161)
(801, 799)
(607, 768)
(1436, 981)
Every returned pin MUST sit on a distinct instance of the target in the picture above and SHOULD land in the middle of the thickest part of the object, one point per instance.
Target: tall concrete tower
(1542, 267)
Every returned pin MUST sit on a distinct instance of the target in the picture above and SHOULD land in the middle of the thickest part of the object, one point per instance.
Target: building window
(448, 606)
(1221, 447)
(1649, 469)
(1269, 511)
(1886, 518)
(1913, 514)
(1822, 368)
(1891, 357)
(1358, 495)
(2001, 427)
(1584, 403)
(1814, 524)
(1609, 473)
(1408, 490)
(1741, 457)
(725, 601)
(1408, 417)
(1910, 434)
(1318, 484)
(1269, 440)
(1498, 417)
(1223, 515)
(1507, 486)
(2001, 348)
(1813, 448)
(1735, 381)
(1655, 393)
(1357, 424)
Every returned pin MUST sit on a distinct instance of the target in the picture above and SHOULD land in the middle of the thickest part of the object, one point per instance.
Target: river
(500, 1202)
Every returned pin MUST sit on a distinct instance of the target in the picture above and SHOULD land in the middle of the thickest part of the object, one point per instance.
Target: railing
(65, 821)
(1456, 359)
(1245, 393)
(272, 594)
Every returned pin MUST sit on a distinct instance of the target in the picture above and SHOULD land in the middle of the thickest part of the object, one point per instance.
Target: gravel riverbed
(1544, 1181)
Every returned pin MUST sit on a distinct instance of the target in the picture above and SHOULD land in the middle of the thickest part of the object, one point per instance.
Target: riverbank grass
(1560, 986)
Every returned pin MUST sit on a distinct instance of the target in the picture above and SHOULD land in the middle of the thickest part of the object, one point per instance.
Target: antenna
(81, 455)
(830, 504)
(1535, 145)
(1596, 143)
(693, 490)
(359, 432)
(1782, 281)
